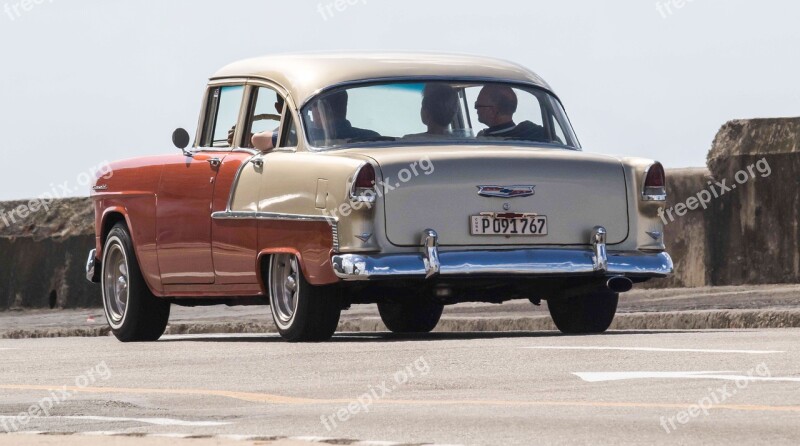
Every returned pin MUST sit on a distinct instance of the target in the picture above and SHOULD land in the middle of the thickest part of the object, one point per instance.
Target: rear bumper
(525, 262)
(532, 262)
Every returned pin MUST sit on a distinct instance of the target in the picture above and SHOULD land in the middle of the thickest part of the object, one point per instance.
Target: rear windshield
(424, 113)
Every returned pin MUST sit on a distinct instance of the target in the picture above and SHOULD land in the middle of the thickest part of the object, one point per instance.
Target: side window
(267, 107)
(222, 114)
(562, 131)
(558, 136)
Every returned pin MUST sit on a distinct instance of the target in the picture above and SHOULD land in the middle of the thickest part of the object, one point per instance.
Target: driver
(496, 106)
(268, 140)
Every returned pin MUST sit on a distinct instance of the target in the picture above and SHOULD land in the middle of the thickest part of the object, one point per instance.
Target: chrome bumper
(91, 273)
(519, 262)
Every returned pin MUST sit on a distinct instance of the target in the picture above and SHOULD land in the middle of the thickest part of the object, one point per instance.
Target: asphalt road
(762, 306)
(688, 387)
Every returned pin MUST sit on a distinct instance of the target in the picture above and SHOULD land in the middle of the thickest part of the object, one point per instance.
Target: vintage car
(410, 181)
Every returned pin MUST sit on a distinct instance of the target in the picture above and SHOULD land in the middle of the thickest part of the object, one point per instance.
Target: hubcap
(284, 288)
(115, 283)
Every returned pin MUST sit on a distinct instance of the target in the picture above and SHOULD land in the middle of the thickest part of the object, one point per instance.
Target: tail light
(655, 184)
(364, 189)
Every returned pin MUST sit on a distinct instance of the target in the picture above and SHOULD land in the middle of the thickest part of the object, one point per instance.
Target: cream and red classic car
(410, 181)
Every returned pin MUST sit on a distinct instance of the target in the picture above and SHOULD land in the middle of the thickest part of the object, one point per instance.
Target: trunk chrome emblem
(655, 235)
(506, 191)
(364, 237)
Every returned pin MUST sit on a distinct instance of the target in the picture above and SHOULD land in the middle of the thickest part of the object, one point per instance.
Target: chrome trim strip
(521, 262)
(224, 150)
(241, 215)
(646, 197)
(335, 231)
(598, 241)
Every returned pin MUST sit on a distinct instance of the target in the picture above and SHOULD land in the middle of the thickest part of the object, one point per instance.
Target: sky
(85, 82)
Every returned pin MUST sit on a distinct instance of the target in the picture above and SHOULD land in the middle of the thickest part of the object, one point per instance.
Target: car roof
(306, 74)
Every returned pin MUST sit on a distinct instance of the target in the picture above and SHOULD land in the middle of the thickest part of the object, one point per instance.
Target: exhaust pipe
(619, 284)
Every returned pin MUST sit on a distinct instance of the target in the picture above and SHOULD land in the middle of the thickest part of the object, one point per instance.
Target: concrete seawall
(42, 257)
(748, 235)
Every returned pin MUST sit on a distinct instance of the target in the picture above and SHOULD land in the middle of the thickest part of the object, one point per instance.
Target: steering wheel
(267, 117)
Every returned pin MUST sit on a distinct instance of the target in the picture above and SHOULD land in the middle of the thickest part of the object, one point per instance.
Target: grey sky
(83, 81)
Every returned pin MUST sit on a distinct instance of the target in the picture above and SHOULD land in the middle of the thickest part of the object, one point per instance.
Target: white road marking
(219, 336)
(227, 437)
(236, 437)
(594, 377)
(170, 435)
(377, 443)
(97, 433)
(154, 421)
(659, 349)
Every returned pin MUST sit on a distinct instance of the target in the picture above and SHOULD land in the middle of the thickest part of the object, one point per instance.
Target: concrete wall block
(756, 238)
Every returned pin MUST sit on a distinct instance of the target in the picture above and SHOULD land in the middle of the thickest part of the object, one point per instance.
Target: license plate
(492, 224)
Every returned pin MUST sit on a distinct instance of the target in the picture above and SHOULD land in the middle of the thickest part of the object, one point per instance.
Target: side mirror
(181, 139)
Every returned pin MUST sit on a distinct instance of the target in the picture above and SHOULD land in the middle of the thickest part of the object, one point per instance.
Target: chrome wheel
(115, 283)
(131, 309)
(302, 312)
(284, 282)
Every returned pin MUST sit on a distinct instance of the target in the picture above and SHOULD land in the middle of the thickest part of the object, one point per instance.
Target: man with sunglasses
(496, 106)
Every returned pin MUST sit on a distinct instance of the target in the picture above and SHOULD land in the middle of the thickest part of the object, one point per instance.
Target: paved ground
(767, 306)
(645, 387)
(80, 440)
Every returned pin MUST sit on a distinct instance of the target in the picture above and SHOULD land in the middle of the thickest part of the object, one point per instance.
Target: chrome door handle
(215, 162)
(258, 163)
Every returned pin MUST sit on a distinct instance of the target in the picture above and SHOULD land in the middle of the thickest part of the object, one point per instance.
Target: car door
(235, 240)
(186, 190)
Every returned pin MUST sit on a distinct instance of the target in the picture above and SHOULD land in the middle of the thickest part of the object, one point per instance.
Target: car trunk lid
(439, 188)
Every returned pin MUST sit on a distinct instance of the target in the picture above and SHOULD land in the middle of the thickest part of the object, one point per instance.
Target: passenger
(496, 106)
(330, 119)
(439, 108)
